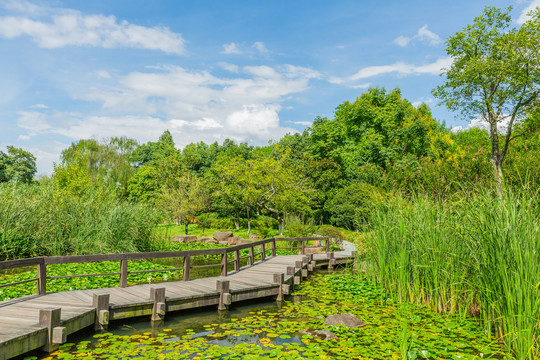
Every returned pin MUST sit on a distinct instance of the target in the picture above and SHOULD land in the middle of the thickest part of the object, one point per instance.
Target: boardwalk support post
(297, 266)
(59, 335)
(311, 263)
(331, 260)
(291, 272)
(101, 303)
(49, 318)
(278, 279)
(304, 266)
(225, 298)
(159, 309)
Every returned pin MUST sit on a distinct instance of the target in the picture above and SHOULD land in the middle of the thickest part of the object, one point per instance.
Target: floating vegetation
(393, 331)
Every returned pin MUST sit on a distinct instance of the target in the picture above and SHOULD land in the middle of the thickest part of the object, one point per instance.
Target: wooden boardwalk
(44, 321)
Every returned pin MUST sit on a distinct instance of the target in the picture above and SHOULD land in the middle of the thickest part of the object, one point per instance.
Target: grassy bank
(479, 256)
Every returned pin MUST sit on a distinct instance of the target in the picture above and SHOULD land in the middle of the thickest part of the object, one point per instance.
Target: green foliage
(351, 206)
(331, 232)
(478, 255)
(17, 165)
(295, 227)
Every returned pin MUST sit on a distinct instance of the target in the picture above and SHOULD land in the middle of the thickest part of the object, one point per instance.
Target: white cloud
(403, 69)
(260, 47)
(423, 34)
(483, 124)
(55, 28)
(304, 123)
(231, 48)
(402, 41)
(229, 67)
(523, 17)
(103, 74)
(39, 106)
(193, 105)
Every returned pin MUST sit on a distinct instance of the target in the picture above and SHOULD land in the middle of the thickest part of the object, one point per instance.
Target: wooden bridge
(43, 321)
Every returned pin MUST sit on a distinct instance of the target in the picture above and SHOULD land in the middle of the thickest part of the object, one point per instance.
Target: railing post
(327, 244)
(224, 264)
(123, 273)
(303, 251)
(42, 278)
(251, 259)
(187, 261)
(263, 252)
(273, 247)
(236, 260)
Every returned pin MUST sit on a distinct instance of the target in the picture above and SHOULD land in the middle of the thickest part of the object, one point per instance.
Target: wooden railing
(42, 262)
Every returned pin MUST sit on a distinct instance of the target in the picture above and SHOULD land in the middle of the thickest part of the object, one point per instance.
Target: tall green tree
(495, 74)
(17, 165)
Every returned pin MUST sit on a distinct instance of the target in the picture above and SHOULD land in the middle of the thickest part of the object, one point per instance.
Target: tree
(495, 75)
(186, 199)
(17, 165)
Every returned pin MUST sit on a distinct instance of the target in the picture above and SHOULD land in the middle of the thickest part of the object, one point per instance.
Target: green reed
(479, 256)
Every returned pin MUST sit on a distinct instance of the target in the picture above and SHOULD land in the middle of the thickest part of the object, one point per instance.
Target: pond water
(260, 330)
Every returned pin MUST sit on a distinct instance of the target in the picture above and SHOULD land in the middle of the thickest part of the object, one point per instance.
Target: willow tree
(495, 74)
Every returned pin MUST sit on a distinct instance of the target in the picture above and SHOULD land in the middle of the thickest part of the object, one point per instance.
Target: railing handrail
(43, 261)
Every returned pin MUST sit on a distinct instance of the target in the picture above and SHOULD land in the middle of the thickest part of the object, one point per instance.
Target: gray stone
(225, 242)
(241, 241)
(321, 334)
(207, 240)
(325, 334)
(184, 238)
(254, 237)
(222, 235)
(233, 240)
(348, 320)
(316, 250)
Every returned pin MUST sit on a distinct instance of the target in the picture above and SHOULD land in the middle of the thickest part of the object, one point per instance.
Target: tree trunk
(497, 169)
(281, 225)
(186, 223)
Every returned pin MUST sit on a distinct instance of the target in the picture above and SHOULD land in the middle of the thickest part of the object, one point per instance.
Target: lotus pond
(287, 330)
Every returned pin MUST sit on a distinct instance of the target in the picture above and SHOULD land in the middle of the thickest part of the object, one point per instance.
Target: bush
(295, 227)
(333, 233)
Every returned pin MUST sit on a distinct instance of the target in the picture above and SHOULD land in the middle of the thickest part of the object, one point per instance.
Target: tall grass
(38, 220)
(479, 256)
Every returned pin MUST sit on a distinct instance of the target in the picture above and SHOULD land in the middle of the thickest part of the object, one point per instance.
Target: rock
(184, 238)
(225, 242)
(233, 240)
(207, 240)
(242, 241)
(254, 237)
(321, 334)
(348, 320)
(325, 334)
(222, 235)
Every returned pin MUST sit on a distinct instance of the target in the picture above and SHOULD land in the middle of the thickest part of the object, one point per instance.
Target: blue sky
(209, 70)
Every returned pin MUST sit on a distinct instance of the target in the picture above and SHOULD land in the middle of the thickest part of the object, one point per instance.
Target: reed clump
(479, 255)
(37, 219)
